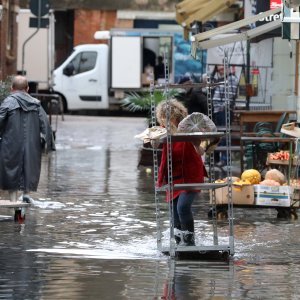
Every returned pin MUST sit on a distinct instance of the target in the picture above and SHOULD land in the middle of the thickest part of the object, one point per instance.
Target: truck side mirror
(69, 70)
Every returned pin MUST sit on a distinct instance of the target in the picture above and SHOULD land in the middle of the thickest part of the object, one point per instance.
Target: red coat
(187, 165)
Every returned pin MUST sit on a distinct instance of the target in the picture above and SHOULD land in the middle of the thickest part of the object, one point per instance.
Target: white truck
(95, 73)
(36, 54)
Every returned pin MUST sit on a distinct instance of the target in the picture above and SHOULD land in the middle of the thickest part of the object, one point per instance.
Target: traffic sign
(39, 22)
(39, 7)
(275, 4)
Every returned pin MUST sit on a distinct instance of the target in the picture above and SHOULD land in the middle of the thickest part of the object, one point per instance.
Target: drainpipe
(297, 79)
(248, 76)
(31, 36)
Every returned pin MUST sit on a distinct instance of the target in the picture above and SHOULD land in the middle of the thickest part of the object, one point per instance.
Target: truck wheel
(286, 213)
(225, 256)
(222, 215)
(64, 104)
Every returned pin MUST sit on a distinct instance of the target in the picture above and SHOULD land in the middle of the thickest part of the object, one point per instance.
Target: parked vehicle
(36, 53)
(95, 74)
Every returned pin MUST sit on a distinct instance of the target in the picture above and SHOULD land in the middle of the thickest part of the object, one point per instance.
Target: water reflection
(193, 280)
(91, 232)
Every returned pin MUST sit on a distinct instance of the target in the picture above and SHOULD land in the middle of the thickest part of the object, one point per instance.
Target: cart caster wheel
(210, 213)
(225, 255)
(294, 215)
(19, 216)
(221, 215)
(283, 213)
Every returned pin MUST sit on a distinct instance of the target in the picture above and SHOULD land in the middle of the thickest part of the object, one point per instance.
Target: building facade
(8, 36)
(77, 21)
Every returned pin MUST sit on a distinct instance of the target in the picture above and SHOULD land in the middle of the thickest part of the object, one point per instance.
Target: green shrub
(5, 88)
(141, 102)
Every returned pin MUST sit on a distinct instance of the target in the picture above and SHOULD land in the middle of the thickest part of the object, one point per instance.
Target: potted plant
(5, 88)
(136, 102)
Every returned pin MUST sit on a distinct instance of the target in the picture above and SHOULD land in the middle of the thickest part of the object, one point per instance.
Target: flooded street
(91, 231)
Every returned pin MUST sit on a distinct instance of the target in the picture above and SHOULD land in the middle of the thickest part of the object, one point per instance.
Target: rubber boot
(13, 196)
(189, 238)
(26, 198)
(178, 235)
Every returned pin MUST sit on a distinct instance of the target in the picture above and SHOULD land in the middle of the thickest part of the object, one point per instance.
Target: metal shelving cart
(216, 249)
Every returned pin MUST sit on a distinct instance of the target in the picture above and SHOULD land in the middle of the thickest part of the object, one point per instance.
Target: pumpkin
(276, 175)
(269, 182)
(233, 179)
(220, 181)
(251, 175)
(242, 182)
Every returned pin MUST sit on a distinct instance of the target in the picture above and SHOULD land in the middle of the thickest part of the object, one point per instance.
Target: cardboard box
(295, 196)
(272, 195)
(145, 79)
(243, 195)
(291, 129)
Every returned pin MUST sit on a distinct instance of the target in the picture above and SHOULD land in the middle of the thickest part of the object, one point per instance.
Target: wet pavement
(91, 231)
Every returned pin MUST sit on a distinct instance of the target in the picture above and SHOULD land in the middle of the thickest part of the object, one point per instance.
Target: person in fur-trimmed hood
(24, 133)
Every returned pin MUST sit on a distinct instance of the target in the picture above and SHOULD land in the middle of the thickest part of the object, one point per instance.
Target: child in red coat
(187, 167)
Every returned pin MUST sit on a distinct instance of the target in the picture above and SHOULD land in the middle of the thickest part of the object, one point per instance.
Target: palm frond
(142, 102)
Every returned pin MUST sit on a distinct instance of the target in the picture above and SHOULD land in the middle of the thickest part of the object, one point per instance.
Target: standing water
(91, 231)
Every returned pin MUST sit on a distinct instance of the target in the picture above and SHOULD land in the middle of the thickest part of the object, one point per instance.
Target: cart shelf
(9, 204)
(193, 137)
(193, 186)
(198, 248)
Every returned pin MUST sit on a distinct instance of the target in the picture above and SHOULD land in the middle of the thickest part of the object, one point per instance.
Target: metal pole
(228, 152)
(169, 154)
(155, 166)
(31, 36)
(248, 76)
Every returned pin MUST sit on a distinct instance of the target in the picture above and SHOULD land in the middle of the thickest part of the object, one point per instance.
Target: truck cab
(82, 79)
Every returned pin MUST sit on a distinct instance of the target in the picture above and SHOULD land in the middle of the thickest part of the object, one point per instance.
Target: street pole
(248, 76)
(31, 36)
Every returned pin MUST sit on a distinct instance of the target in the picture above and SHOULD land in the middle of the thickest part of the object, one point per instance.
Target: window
(1, 12)
(84, 62)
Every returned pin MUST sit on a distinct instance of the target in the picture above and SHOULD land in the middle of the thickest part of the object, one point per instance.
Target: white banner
(260, 53)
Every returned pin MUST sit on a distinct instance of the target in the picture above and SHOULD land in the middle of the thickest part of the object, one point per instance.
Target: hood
(26, 102)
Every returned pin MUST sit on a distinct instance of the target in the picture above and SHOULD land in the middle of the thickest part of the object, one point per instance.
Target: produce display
(275, 175)
(281, 155)
(295, 183)
(242, 182)
(270, 189)
(269, 182)
(252, 175)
